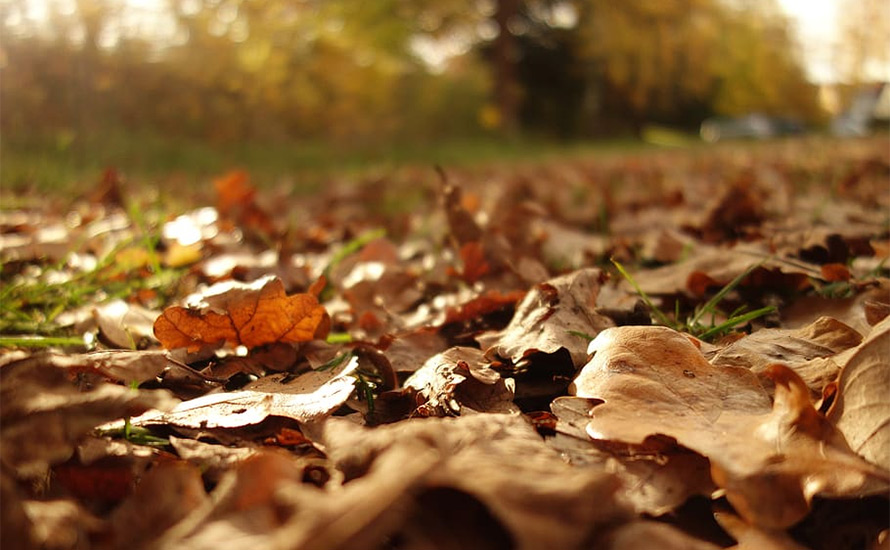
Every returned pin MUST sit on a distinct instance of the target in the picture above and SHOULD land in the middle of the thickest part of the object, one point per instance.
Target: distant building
(868, 109)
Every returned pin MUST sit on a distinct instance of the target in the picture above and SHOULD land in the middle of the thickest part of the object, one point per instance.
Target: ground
(673, 348)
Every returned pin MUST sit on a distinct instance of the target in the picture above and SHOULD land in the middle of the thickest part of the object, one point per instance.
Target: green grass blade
(735, 321)
(348, 249)
(580, 334)
(39, 341)
(711, 305)
(659, 315)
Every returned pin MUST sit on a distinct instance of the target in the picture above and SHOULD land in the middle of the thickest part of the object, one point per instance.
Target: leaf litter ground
(672, 350)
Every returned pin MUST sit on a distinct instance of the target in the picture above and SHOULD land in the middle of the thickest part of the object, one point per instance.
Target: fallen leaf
(242, 510)
(409, 351)
(834, 273)
(104, 483)
(499, 460)
(17, 529)
(464, 228)
(43, 415)
(549, 318)
(807, 351)
(853, 311)
(737, 206)
(213, 460)
(459, 379)
(720, 265)
(750, 537)
(237, 203)
(249, 315)
(60, 523)
(645, 535)
(125, 326)
(655, 482)
(307, 397)
(861, 411)
(119, 365)
(484, 304)
(770, 460)
(164, 495)
(472, 256)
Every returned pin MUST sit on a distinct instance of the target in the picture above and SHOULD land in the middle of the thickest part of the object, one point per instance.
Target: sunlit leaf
(244, 315)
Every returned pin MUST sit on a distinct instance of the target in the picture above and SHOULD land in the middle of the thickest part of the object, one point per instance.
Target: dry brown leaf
(861, 410)
(16, 529)
(499, 461)
(60, 524)
(377, 287)
(243, 511)
(655, 483)
(119, 365)
(237, 203)
(463, 226)
(854, 312)
(123, 325)
(737, 206)
(213, 460)
(459, 380)
(644, 362)
(488, 302)
(649, 535)
(807, 351)
(771, 460)
(409, 351)
(363, 513)
(550, 317)
(164, 495)
(720, 266)
(835, 272)
(307, 397)
(43, 415)
(750, 537)
(249, 315)
(475, 266)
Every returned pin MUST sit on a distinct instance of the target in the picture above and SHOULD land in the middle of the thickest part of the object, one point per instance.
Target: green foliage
(695, 324)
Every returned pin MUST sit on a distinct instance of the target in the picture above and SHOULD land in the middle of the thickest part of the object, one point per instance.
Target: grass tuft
(694, 324)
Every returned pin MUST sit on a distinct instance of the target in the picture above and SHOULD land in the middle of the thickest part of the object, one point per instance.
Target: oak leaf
(809, 351)
(458, 379)
(771, 459)
(549, 318)
(862, 409)
(248, 315)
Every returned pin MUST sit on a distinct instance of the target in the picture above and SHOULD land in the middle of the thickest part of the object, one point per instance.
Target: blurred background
(158, 85)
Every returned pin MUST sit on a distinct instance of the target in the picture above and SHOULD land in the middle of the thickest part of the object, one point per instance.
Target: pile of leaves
(677, 350)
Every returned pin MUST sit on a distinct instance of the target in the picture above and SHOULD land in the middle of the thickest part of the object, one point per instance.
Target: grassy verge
(62, 166)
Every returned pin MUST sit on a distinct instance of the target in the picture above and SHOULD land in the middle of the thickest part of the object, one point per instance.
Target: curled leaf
(458, 379)
(547, 318)
(862, 409)
(310, 396)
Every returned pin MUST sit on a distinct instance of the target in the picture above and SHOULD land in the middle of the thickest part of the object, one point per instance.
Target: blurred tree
(865, 40)
(354, 72)
(759, 68)
(650, 60)
(676, 61)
